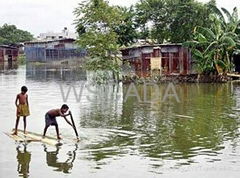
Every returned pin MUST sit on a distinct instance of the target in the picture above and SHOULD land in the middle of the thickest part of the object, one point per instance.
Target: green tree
(171, 20)
(126, 30)
(152, 14)
(96, 24)
(186, 16)
(9, 34)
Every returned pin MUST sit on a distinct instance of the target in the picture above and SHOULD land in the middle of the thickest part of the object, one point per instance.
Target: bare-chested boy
(50, 118)
(22, 105)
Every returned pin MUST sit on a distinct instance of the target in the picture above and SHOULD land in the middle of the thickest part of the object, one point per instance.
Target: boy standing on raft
(50, 118)
(22, 105)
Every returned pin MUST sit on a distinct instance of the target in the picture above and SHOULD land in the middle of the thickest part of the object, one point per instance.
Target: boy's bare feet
(59, 138)
(14, 133)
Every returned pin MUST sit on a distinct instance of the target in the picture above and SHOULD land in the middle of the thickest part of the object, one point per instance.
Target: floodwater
(145, 130)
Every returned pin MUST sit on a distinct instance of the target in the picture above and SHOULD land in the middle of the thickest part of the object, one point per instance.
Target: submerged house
(168, 59)
(8, 53)
(52, 50)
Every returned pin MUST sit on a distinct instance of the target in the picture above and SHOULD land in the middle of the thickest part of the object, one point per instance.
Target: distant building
(56, 36)
(50, 50)
(167, 58)
(8, 53)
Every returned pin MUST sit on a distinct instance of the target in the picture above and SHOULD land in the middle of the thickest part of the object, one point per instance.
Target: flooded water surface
(144, 130)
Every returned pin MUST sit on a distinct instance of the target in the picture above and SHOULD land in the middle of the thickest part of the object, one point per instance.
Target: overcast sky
(38, 16)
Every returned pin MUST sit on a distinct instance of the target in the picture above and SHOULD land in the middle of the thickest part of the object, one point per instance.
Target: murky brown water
(121, 135)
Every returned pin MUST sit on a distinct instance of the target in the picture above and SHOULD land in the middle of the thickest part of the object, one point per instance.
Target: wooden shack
(8, 53)
(169, 59)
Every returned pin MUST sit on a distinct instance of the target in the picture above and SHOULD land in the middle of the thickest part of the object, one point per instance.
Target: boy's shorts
(22, 110)
(50, 120)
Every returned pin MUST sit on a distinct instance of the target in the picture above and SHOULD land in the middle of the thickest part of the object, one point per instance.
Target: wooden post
(170, 63)
(73, 124)
(181, 67)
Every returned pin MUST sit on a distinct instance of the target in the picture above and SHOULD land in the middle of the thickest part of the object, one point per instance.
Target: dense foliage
(10, 34)
(211, 33)
(213, 47)
(171, 20)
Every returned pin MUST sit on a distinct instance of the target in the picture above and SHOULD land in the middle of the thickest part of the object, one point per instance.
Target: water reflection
(103, 105)
(23, 159)
(52, 159)
(125, 131)
(46, 72)
(172, 137)
(114, 145)
(163, 133)
(6, 67)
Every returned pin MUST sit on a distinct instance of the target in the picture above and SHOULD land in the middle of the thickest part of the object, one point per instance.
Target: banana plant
(212, 48)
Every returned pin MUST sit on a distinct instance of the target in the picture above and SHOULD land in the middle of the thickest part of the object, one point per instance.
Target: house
(55, 36)
(8, 53)
(169, 59)
(52, 50)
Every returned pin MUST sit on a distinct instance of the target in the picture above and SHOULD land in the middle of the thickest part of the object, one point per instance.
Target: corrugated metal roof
(7, 46)
(48, 41)
(139, 45)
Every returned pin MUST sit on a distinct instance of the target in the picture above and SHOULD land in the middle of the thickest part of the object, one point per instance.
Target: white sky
(39, 16)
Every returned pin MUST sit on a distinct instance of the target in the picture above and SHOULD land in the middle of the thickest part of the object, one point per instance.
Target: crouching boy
(50, 118)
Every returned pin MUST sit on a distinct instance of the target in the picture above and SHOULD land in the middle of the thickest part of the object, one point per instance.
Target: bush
(21, 59)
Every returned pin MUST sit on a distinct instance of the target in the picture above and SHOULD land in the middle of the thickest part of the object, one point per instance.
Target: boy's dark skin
(55, 113)
(22, 98)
